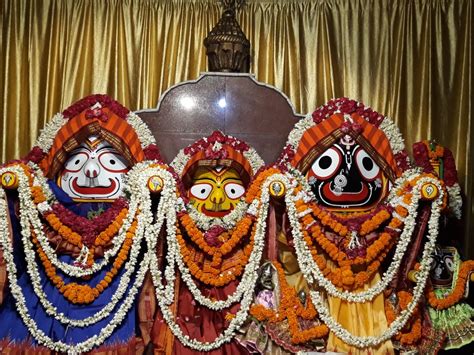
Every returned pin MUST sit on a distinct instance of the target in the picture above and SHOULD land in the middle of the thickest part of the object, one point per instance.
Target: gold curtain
(410, 60)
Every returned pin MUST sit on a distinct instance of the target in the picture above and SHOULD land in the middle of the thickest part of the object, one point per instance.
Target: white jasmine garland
(47, 134)
(400, 321)
(166, 210)
(256, 162)
(312, 272)
(455, 200)
(252, 210)
(300, 127)
(142, 130)
(393, 134)
(179, 162)
(229, 221)
(247, 296)
(23, 311)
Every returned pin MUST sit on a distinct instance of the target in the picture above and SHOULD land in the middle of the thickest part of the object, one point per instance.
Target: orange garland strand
(457, 293)
(240, 230)
(84, 294)
(210, 274)
(412, 331)
(384, 240)
(290, 308)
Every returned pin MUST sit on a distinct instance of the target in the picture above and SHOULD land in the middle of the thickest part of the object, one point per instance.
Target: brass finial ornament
(227, 48)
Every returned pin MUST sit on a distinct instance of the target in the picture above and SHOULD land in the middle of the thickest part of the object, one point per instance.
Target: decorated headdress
(97, 115)
(436, 159)
(217, 149)
(377, 134)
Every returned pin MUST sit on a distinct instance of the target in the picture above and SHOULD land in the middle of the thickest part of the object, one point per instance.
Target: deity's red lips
(98, 190)
(346, 196)
(215, 213)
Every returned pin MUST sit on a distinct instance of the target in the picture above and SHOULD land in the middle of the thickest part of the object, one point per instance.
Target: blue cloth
(12, 327)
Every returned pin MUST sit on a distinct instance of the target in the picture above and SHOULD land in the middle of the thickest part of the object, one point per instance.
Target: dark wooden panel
(235, 104)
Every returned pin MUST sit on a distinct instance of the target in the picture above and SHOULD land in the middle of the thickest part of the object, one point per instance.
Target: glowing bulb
(222, 103)
(187, 102)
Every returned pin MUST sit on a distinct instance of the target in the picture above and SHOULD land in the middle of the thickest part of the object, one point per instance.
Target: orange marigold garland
(291, 308)
(335, 252)
(210, 273)
(467, 267)
(255, 188)
(84, 294)
(75, 239)
(240, 230)
(412, 330)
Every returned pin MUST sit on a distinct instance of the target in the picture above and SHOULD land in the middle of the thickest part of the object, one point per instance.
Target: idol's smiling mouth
(97, 190)
(345, 199)
(219, 213)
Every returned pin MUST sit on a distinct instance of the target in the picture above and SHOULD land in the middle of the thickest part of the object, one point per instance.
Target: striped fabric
(314, 135)
(378, 141)
(321, 136)
(115, 130)
(234, 159)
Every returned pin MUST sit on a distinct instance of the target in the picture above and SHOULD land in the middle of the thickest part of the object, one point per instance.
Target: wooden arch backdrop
(235, 104)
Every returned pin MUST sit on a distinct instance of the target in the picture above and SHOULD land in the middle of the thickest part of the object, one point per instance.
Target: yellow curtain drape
(408, 59)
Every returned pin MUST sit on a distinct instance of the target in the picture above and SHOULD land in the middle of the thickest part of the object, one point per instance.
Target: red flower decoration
(206, 145)
(212, 236)
(89, 229)
(35, 155)
(347, 127)
(97, 113)
(89, 101)
(152, 153)
(210, 153)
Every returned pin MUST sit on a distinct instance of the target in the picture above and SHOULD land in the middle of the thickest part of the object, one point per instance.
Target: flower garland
(347, 256)
(102, 239)
(373, 255)
(343, 276)
(38, 334)
(214, 276)
(311, 269)
(111, 219)
(228, 221)
(467, 267)
(244, 291)
(30, 209)
(230, 240)
(290, 308)
(424, 153)
(412, 334)
(401, 320)
(84, 294)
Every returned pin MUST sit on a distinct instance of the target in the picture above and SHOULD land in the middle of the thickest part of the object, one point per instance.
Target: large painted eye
(366, 165)
(113, 162)
(76, 162)
(327, 164)
(201, 191)
(233, 190)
